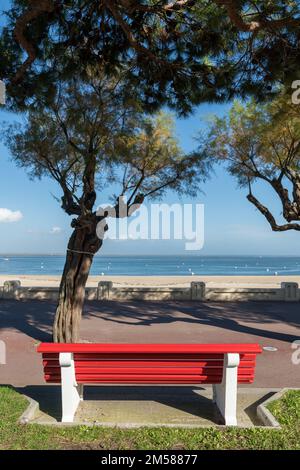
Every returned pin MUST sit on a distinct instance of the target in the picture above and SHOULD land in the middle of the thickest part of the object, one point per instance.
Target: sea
(157, 265)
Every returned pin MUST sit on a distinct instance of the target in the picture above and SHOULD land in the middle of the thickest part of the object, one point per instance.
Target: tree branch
(288, 208)
(270, 218)
(37, 8)
(254, 26)
(131, 39)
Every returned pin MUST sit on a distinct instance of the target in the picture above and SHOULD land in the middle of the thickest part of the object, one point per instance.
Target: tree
(262, 143)
(90, 136)
(181, 52)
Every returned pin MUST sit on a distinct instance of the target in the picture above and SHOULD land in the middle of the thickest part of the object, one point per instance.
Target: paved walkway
(24, 324)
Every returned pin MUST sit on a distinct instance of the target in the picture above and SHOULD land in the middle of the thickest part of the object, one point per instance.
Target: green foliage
(257, 140)
(15, 436)
(261, 142)
(97, 134)
(182, 55)
(155, 162)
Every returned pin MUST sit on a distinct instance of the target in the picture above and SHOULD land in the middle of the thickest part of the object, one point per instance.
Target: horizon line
(159, 255)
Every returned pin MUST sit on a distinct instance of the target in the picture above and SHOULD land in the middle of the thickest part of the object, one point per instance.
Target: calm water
(154, 265)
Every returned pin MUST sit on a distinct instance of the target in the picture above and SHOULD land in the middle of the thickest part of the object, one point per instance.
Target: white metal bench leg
(225, 394)
(70, 391)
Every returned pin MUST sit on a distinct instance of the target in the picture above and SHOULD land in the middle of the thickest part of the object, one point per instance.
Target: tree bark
(82, 246)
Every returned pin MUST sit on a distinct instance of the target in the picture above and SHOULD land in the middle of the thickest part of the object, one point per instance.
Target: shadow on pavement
(35, 318)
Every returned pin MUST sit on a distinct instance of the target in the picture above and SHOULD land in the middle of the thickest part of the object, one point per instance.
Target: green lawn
(16, 436)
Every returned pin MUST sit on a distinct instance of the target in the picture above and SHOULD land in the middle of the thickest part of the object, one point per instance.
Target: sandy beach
(166, 281)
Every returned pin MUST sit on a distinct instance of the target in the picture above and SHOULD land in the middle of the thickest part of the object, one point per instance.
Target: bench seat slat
(151, 380)
(148, 357)
(144, 370)
(101, 363)
(167, 375)
(148, 370)
(153, 357)
(140, 364)
(146, 380)
(149, 348)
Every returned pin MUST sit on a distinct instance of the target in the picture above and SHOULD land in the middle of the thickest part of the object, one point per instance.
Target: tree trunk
(82, 246)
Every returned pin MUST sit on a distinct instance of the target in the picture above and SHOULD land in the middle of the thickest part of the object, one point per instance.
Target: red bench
(222, 365)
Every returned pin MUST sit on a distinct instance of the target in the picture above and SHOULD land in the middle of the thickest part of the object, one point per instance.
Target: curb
(30, 412)
(265, 415)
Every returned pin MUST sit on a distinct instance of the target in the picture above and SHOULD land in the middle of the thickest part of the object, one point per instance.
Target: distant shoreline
(152, 280)
(182, 255)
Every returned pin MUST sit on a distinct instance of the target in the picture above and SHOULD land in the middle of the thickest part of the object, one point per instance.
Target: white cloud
(6, 215)
(55, 230)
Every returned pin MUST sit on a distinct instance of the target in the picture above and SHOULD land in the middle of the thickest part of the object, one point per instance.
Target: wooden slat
(167, 376)
(142, 357)
(157, 366)
(193, 380)
(149, 348)
(144, 370)
(126, 365)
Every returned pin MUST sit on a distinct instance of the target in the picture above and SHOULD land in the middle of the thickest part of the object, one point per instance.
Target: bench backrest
(149, 363)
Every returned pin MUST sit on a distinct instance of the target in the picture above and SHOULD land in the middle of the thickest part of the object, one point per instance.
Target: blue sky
(232, 225)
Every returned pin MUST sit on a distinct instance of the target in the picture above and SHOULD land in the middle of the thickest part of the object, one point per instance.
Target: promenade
(23, 324)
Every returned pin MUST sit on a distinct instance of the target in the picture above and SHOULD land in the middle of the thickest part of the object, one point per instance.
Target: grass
(16, 436)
